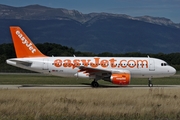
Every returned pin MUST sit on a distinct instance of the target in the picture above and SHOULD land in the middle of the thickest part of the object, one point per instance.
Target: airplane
(118, 70)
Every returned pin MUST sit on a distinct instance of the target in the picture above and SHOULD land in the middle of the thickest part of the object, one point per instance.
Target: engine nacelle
(120, 78)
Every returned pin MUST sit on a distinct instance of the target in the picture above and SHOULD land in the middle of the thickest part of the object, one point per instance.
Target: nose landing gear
(150, 82)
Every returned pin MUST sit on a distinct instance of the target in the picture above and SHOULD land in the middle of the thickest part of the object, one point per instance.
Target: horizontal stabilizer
(19, 62)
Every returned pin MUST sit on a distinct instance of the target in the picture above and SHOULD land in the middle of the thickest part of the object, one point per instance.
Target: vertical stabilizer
(23, 45)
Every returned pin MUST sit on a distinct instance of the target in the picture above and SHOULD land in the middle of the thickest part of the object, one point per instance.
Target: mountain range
(93, 32)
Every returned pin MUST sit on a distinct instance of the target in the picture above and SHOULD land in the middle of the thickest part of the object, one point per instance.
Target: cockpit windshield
(164, 64)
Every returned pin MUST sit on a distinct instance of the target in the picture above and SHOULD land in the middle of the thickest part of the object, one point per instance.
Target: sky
(157, 8)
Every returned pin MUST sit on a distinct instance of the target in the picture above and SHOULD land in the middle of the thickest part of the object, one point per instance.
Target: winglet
(23, 45)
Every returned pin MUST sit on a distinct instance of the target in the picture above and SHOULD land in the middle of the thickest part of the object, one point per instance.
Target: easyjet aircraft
(118, 70)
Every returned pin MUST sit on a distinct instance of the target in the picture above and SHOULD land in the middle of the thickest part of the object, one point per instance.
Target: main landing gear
(95, 84)
(150, 83)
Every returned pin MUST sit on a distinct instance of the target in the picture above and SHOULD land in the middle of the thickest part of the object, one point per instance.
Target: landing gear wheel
(150, 83)
(95, 84)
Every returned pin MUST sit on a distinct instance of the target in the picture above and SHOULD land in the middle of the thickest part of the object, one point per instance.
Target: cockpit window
(164, 64)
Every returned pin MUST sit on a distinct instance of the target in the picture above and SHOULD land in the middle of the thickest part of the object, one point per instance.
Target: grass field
(90, 104)
(87, 104)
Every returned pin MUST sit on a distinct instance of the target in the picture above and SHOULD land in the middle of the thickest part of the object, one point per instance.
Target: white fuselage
(139, 67)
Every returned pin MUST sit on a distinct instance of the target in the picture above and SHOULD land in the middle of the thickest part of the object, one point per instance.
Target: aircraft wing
(100, 72)
(91, 70)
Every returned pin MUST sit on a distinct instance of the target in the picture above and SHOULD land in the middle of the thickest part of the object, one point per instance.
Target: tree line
(52, 49)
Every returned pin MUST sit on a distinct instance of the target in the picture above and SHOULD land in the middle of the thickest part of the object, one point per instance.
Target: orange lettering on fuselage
(104, 63)
(112, 63)
(123, 64)
(58, 63)
(131, 63)
(76, 62)
(67, 63)
(85, 62)
(96, 63)
(142, 63)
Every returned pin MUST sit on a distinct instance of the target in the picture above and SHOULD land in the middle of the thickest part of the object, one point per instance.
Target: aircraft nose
(172, 71)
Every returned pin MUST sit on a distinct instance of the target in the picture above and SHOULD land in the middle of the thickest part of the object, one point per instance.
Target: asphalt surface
(85, 87)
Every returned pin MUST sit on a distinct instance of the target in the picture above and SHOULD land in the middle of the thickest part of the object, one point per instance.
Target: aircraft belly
(135, 73)
(141, 73)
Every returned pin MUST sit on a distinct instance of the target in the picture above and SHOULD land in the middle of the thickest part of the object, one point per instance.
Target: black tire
(95, 84)
(150, 85)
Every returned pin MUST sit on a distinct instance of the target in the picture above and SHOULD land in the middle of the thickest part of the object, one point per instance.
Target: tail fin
(23, 45)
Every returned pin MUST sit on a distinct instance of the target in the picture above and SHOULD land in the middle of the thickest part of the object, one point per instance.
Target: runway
(86, 87)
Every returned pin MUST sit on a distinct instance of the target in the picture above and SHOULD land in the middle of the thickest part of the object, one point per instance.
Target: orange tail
(23, 45)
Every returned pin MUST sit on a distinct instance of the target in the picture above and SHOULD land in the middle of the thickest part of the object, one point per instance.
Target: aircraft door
(151, 65)
(45, 64)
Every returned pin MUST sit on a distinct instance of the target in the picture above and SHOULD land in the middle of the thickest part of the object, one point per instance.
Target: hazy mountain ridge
(37, 12)
(94, 32)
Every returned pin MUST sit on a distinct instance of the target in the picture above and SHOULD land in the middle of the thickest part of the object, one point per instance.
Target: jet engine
(119, 78)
